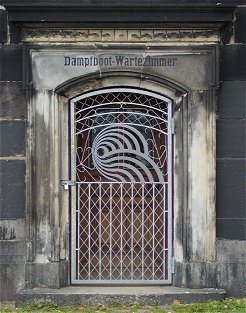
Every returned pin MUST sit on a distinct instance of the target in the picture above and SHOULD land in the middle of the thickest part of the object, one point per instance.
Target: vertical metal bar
(153, 230)
(100, 230)
(169, 160)
(132, 225)
(77, 231)
(73, 199)
(164, 230)
(121, 230)
(89, 231)
(142, 231)
(110, 232)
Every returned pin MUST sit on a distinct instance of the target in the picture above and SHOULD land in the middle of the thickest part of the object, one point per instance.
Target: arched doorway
(121, 166)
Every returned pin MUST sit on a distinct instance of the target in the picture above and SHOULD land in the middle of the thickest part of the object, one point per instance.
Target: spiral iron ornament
(120, 153)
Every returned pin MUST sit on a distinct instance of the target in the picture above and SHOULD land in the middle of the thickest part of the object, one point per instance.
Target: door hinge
(173, 265)
(67, 183)
(172, 126)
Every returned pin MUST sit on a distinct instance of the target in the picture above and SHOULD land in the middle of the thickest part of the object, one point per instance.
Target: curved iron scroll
(123, 135)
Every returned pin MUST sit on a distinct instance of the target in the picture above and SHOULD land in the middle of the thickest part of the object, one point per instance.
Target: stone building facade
(56, 57)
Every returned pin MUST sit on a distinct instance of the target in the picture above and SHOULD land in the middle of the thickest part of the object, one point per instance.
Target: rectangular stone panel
(12, 249)
(13, 229)
(230, 251)
(232, 99)
(12, 267)
(11, 62)
(171, 64)
(230, 189)
(14, 32)
(51, 274)
(231, 228)
(12, 189)
(12, 277)
(3, 26)
(12, 138)
(233, 62)
(12, 101)
(240, 25)
(232, 277)
(231, 140)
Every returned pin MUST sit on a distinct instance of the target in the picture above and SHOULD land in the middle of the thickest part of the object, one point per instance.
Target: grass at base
(229, 305)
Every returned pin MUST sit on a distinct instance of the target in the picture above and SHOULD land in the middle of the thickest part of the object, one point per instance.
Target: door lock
(67, 183)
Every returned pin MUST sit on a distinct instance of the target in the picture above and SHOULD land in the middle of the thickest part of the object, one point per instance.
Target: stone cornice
(121, 3)
(145, 13)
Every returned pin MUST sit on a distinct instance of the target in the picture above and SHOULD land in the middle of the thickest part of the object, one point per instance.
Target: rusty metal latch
(67, 183)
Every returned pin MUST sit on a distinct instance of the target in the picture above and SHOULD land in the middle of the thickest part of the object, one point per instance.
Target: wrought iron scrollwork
(124, 137)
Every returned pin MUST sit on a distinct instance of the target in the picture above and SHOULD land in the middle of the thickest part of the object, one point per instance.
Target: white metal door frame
(101, 134)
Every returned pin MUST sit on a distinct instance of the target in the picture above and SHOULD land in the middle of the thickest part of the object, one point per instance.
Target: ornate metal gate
(121, 161)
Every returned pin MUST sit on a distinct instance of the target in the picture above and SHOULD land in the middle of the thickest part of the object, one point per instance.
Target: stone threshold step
(105, 295)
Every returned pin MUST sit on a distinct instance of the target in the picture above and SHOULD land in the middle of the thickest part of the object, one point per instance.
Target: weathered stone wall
(13, 166)
(227, 271)
(231, 161)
